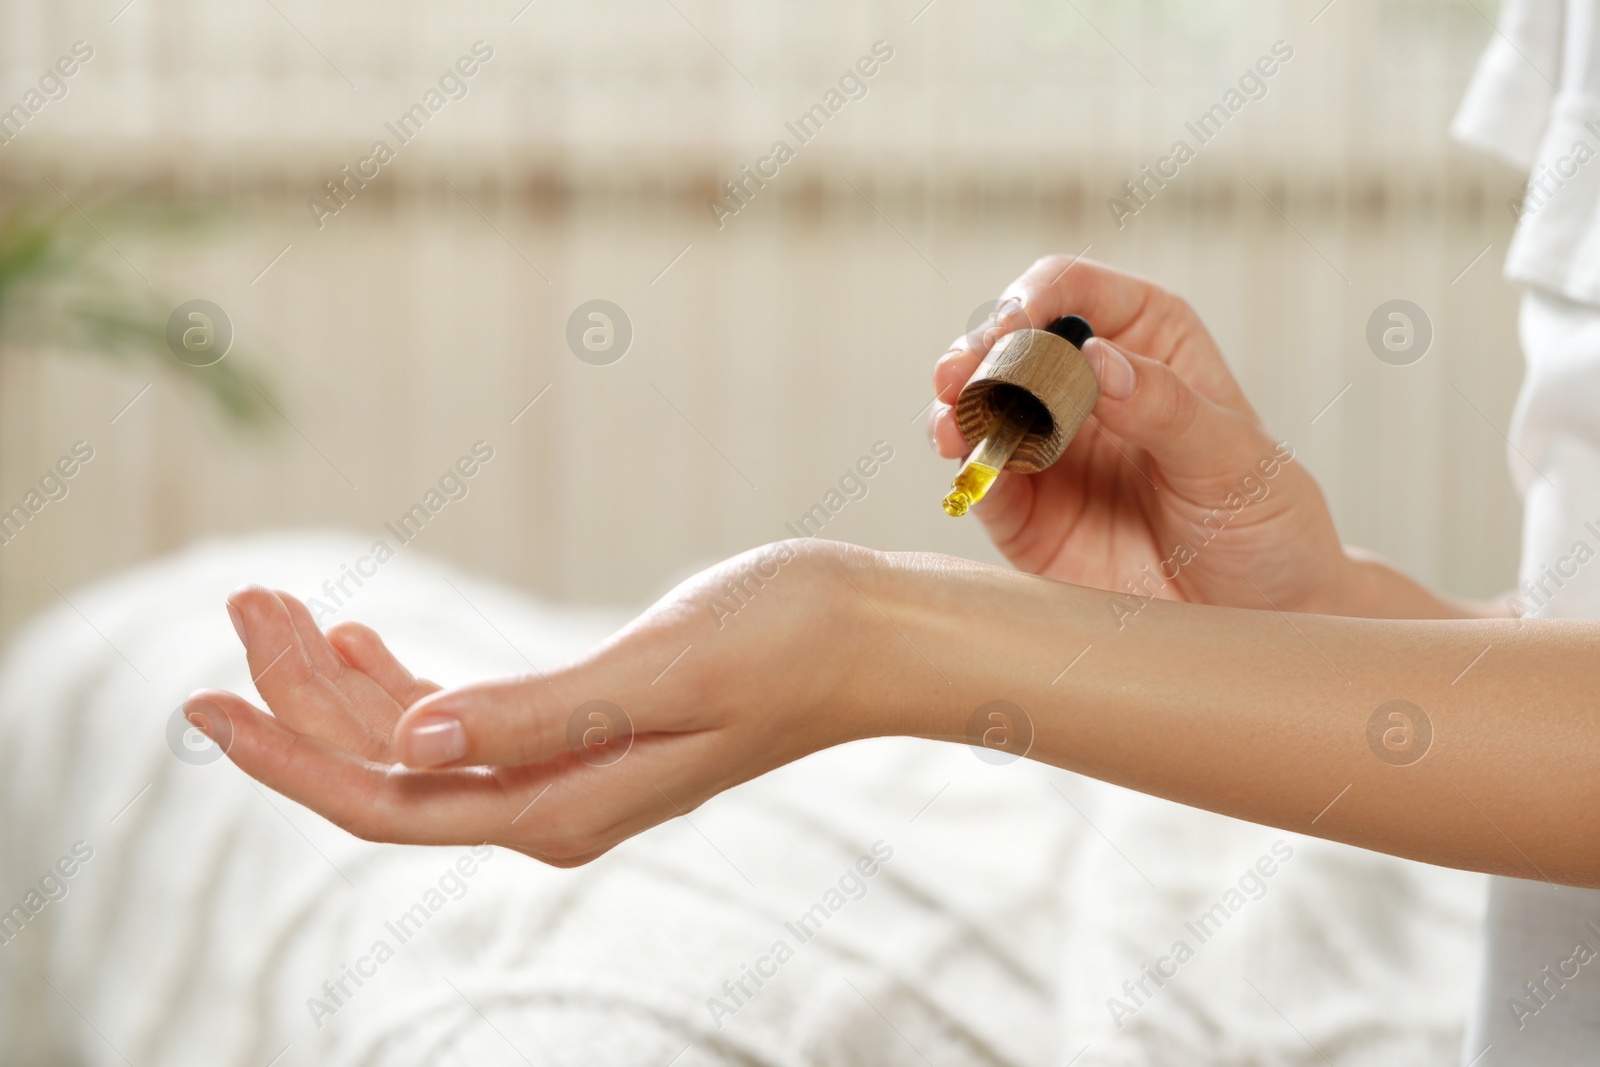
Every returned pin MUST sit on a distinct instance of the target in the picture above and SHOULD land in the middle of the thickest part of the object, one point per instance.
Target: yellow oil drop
(969, 487)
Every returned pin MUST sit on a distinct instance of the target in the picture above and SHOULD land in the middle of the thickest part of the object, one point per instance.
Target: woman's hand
(1172, 456)
(758, 661)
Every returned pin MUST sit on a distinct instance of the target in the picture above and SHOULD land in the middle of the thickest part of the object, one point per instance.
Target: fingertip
(430, 741)
(206, 710)
(363, 649)
(1010, 313)
(945, 434)
(249, 593)
(200, 704)
(431, 732)
(972, 340)
(250, 610)
(352, 628)
(355, 642)
(253, 603)
(953, 371)
(500, 723)
(1111, 367)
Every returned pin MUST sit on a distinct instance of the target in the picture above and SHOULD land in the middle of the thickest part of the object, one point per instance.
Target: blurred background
(770, 349)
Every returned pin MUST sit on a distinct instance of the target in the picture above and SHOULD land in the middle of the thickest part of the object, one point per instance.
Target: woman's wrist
(1367, 586)
(951, 635)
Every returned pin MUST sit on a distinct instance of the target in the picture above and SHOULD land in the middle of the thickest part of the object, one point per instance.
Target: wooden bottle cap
(1050, 370)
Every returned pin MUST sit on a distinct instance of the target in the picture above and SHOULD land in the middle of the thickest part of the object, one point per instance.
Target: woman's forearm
(1278, 719)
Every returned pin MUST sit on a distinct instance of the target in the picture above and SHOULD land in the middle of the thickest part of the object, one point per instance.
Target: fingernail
(1000, 322)
(1008, 307)
(933, 426)
(210, 720)
(1116, 374)
(433, 743)
(238, 625)
(197, 715)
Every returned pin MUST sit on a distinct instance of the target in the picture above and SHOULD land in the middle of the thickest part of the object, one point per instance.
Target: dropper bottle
(1031, 389)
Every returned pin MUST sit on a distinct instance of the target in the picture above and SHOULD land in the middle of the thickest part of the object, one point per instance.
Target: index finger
(1112, 300)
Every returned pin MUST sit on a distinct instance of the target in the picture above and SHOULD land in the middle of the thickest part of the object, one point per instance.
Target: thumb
(510, 722)
(1191, 438)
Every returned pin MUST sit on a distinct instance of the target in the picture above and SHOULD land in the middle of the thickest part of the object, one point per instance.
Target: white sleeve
(1507, 103)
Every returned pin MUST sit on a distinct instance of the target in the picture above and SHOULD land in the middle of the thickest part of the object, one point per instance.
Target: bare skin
(1246, 688)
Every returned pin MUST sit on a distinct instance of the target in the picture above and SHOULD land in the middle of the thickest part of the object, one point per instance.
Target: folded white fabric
(890, 902)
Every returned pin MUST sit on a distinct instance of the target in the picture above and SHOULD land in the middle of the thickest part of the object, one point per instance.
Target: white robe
(1535, 100)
